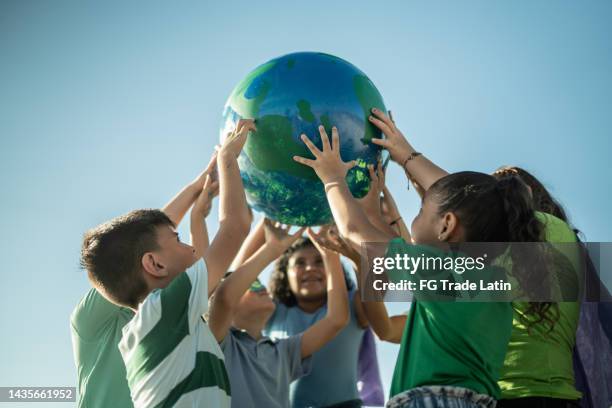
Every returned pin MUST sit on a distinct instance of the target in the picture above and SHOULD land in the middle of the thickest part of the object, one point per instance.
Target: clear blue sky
(110, 106)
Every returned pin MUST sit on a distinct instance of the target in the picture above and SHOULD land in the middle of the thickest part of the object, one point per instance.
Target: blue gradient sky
(110, 106)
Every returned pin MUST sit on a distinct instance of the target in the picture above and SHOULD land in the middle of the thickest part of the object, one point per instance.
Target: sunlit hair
(111, 254)
(542, 199)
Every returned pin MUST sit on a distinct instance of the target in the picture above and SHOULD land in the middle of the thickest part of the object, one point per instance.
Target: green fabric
(451, 343)
(96, 326)
(209, 371)
(539, 364)
(170, 330)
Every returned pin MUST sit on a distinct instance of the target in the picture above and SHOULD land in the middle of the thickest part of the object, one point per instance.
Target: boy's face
(255, 300)
(306, 274)
(172, 257)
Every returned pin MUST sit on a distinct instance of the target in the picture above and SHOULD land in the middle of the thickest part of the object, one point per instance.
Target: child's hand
(234, 141)
(395, 142)
(211, 169)
(327, 164)
(370, 203)
(328, 240)
(278, 237)
(203, 204)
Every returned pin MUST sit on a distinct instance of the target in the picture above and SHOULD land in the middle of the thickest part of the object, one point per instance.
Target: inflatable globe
(288, 96)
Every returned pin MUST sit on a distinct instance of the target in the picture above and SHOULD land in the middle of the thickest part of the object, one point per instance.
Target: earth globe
(289, 96)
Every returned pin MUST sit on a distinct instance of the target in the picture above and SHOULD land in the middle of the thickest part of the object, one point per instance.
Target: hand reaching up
(278, 237)
(203, 204)
(328, 240)
(327, 163)
(234, 141)
(370, 203)
(394, 140)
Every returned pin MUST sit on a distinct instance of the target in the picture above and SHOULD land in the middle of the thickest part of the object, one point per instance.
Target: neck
(254, 325)
(311, 305)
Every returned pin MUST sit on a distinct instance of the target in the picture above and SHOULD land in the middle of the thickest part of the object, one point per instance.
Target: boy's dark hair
(279, 281)
(112, 252)
(499, 209)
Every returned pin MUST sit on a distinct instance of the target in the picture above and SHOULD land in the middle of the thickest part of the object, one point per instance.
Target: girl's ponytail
(501, 209)
(524, 226)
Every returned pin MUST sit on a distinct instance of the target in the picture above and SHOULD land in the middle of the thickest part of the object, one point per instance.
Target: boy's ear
(152, 266)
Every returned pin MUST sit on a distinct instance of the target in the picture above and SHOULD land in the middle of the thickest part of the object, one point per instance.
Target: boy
(138, 261)
(96, 323)
(260, 368)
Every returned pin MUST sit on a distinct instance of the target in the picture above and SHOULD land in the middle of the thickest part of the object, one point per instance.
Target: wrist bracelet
(330, 185)
(410, 157)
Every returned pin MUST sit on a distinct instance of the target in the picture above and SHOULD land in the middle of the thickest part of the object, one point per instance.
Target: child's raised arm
(180, 203)
(199, 212)
(417, 167)
(255, 240)
(386, 328)
(229, 292)
(234, 215)
(337, 317)
(350, 218)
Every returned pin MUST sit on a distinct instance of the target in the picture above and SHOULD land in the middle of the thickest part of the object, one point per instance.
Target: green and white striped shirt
(171, 357)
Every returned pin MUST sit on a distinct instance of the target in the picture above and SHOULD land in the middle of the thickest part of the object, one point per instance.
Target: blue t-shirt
(260, 371)
(333, 377)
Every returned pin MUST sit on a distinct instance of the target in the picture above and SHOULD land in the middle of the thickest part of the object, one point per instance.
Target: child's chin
(312, 292)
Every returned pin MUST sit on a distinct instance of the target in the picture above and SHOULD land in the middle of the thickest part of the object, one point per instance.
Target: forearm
(255, 240)
(375, 311)
(421, 169)
(237, 283)
(377, 315)
(377, 220)
(404, 232)
(199, 235)
(232, 200)
(337, 296)
(352, 222)
(176, 208)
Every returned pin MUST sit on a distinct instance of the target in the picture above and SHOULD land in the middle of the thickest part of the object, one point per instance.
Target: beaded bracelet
(412, 156)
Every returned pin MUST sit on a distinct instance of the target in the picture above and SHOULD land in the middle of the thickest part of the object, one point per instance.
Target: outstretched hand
(210, 170)
(328, 240)
(234, 141)
(203, 203)
(370, 203)
(327, 163)
(395, 142)
(278, 237)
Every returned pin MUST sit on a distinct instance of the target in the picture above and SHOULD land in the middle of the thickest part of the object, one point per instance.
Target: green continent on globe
(291, 95)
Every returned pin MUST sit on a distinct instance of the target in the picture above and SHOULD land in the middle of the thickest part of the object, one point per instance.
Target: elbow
(350, 229)
(221, 298)
(340, 322)
(386, 335)
(238, 228)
